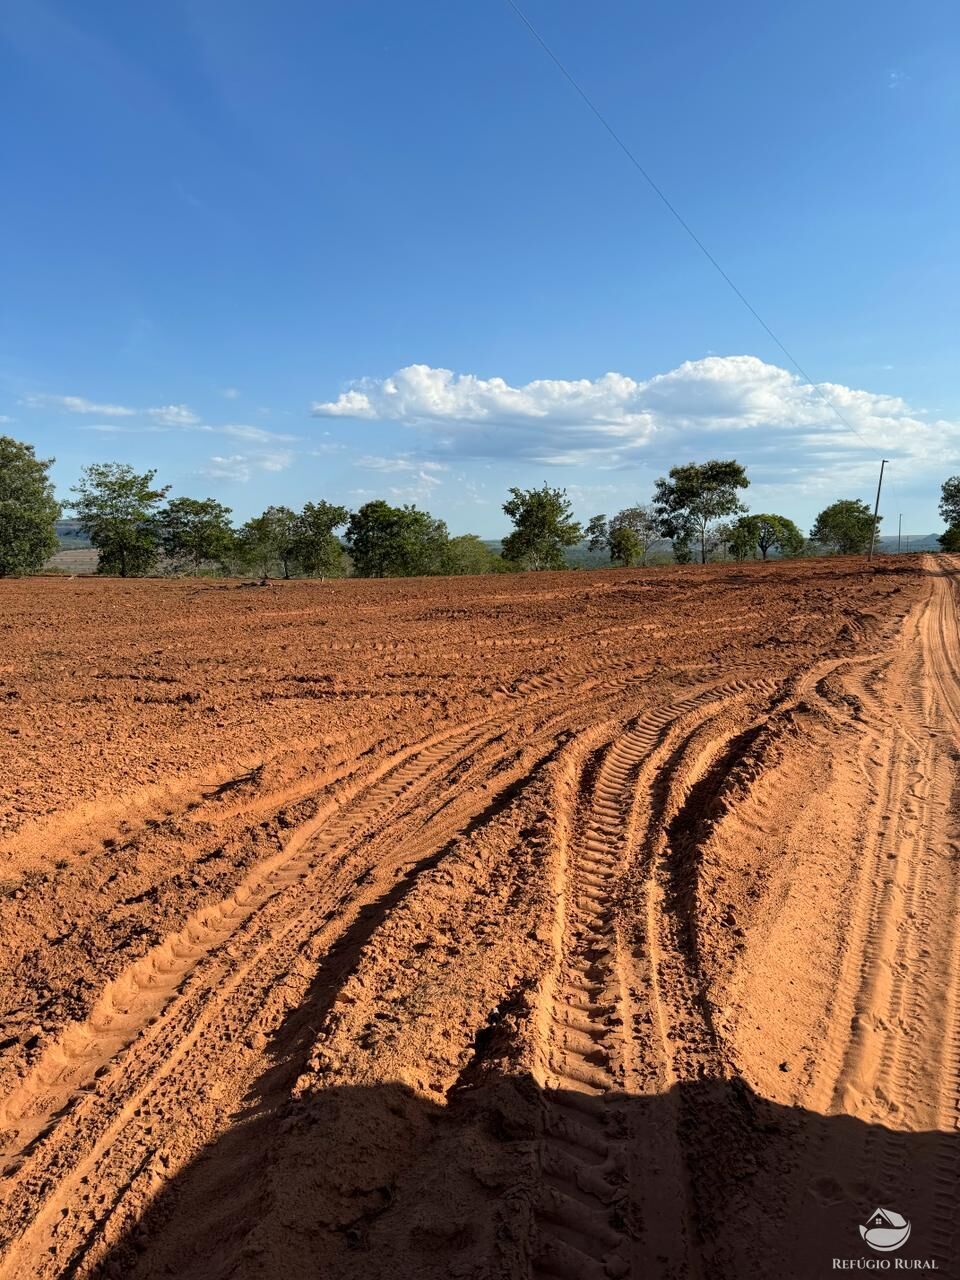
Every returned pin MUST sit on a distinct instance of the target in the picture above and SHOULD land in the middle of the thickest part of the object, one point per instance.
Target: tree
(468, 553)
(195, 531)
(643, 523)
(317, 549)
(625, 546)
(597, 533)
(950, 501)
(845, 527)
(765, 533)
(629, 535)
(695, 496)
(543, 525)
(116, 507)
(401, 542)
(742, 540)
(270, 539)
(28, 509)
(950, 538)
(682, 548)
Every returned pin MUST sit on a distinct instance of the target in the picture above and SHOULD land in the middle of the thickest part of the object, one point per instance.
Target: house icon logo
(885, 1230)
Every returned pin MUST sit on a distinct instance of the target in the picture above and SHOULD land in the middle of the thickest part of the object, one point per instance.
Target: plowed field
(583, 925)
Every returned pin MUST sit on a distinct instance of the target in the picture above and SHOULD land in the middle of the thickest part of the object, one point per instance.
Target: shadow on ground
(708, 1180)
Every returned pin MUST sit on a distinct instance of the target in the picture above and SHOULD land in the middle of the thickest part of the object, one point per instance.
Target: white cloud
(174, 415)
(5, 419)
(78, 404)
(239, 431)
(243, 467)
(402, 462)
(230, 393)
(720, 403)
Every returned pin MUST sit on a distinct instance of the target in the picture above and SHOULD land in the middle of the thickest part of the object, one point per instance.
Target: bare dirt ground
(583, 925)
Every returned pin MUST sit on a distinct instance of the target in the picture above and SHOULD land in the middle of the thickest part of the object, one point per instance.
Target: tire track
(228, 976)
(587, 1226)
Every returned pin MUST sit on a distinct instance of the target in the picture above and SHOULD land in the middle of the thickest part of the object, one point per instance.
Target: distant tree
(271, 539)
(468, 553)
(765, 533)
(628, 536)
(682, 545)
(195, 532)
(401, 542)
(116, 507)
(625, 547)
(28, 509)
(950, 538)
(696, 495)
(718, 540)
(845, 527)
(742, 540)
(597, 533)
(543, 525)
(643, 523)
(317, 548)
(950, 501)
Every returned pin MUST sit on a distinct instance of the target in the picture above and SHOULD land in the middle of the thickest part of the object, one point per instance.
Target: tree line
(137, 529)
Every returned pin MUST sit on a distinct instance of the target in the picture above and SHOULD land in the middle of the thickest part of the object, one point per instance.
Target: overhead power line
(675, 212)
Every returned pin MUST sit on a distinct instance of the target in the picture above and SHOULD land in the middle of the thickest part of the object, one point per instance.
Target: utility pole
(873, 531)
(899, 528)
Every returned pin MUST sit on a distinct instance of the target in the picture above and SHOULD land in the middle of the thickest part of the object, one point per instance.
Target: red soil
(580, 925)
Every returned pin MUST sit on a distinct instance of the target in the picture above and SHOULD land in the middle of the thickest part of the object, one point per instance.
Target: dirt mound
(574, 925)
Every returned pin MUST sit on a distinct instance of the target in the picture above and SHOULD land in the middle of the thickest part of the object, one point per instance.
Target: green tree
(950, 500)
(317, 548)
(742, 540)
(644, 526)
(468, 553)
(116, 507)
(765, 533)
(543, 525)
(401, 542)
(625, 546)
(195, 531)
(845, 527)
(695, 496)
(950, 538)
(270, 539)
(28, 509)
(597, 533)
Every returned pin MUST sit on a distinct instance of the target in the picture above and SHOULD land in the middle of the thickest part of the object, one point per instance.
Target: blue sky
(284, 252)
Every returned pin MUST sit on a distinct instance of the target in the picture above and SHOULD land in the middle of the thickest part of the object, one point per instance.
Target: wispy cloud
(174, 415)
(242, 467)
(77, 404)
(4, 419)
(230, 393)
(401, 462)
(171, 422)
(896, 78)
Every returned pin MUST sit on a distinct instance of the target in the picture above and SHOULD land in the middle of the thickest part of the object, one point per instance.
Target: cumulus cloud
(737, 403)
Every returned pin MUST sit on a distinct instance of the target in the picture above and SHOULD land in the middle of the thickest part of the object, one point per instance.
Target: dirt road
(578, 926)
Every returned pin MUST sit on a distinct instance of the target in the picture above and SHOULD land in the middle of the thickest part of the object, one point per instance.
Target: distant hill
(72, 537)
